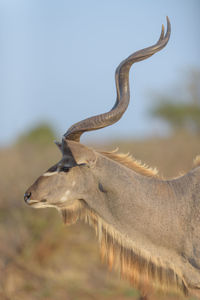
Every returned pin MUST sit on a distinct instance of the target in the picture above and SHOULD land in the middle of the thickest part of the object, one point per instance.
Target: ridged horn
(122, 86)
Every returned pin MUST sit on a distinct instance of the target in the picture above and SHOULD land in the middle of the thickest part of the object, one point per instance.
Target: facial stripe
(50, 173)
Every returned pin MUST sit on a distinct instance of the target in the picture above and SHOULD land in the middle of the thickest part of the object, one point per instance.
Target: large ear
(66, 152)
(68, 156)
(59, 145)
(81, 153)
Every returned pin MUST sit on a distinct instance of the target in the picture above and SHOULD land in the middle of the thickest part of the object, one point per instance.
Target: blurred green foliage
(182, 112)
(179, 116)
(42, 134)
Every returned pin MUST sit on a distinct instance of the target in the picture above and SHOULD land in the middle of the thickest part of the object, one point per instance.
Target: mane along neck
(139, 167)
(131, 163)
(118, 250)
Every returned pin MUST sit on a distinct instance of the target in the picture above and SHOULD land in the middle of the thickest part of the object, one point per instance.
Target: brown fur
(131, 163)
(134, 264)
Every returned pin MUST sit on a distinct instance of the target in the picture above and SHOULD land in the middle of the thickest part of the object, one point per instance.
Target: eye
(64, 169)
(53, 168)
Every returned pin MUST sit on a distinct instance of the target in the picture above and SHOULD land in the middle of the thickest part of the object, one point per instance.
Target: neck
(135, 218)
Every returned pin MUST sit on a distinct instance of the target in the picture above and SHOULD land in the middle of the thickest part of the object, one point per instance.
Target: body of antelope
(149, 226)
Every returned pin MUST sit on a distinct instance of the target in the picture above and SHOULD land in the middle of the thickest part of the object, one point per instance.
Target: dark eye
(64, 169)
(53, 168)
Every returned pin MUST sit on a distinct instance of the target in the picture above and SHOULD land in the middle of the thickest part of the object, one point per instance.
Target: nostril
(27, 196)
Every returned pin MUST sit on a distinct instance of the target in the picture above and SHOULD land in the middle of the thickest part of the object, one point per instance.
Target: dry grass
(40, 258)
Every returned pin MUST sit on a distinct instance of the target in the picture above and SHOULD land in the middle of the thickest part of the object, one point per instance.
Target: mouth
(39, 204)
(34, 203)
(31, 202)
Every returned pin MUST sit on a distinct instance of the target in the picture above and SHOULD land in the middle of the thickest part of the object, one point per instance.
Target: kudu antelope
(148, 226)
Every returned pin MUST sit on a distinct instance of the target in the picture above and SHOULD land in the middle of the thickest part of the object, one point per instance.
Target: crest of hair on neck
(131, 163)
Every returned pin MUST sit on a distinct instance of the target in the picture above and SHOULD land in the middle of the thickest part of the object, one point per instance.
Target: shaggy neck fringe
(119, 251)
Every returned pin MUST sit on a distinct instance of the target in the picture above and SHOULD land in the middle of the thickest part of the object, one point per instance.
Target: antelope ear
(68, 157)
(81, 153)
(59, 145)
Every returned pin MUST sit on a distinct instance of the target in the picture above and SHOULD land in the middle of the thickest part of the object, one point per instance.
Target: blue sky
(58, 58)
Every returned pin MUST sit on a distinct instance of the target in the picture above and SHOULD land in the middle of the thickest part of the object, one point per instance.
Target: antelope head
(64, 182)
(68, 180)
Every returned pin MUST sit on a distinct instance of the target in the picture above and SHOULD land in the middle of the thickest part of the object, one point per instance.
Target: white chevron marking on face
(50, 174)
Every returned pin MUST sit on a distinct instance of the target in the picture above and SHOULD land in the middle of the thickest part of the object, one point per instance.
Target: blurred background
(57, 63)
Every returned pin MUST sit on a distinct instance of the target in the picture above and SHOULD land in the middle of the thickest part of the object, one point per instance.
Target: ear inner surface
(68, 157)
(59, 145)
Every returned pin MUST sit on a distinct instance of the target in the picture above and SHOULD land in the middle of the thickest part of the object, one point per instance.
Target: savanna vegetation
(181, 108)
(42, 259)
